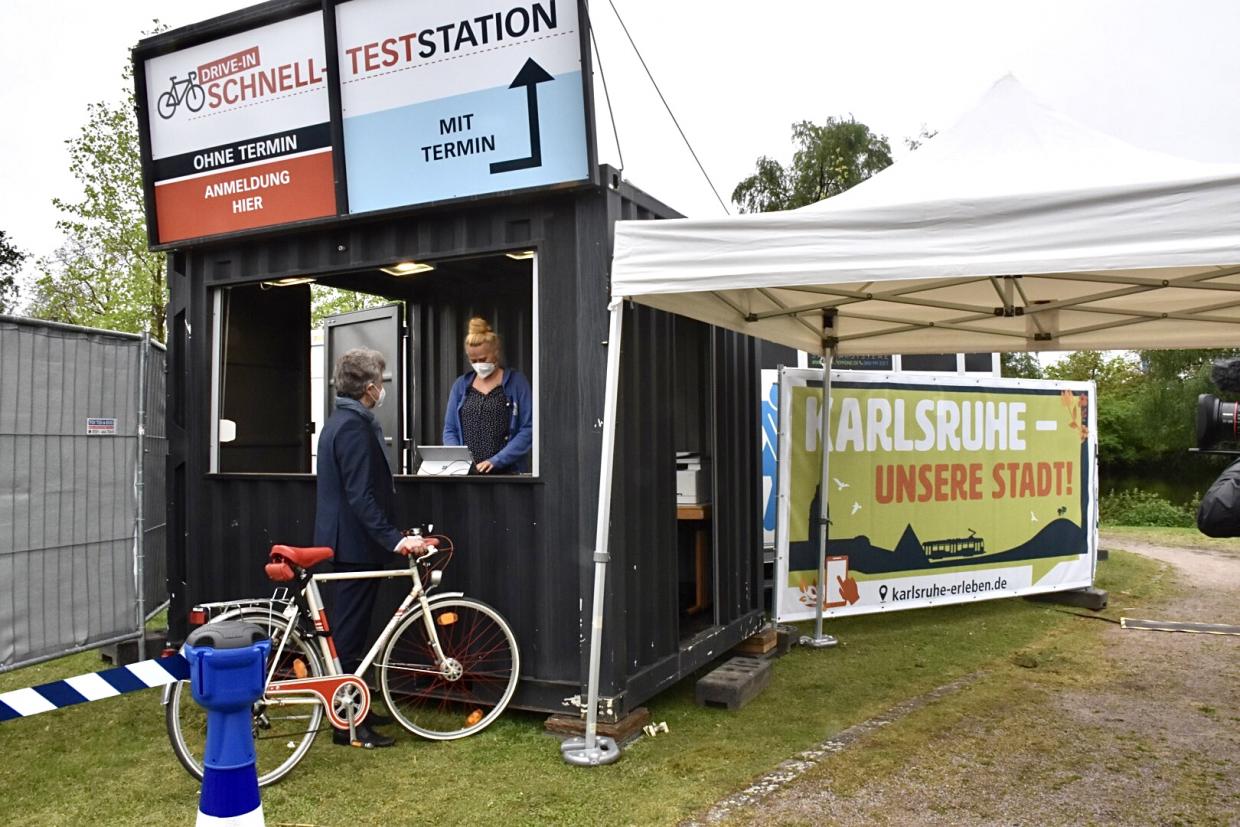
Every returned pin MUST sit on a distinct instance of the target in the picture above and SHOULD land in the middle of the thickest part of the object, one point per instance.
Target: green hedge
(1137, 507)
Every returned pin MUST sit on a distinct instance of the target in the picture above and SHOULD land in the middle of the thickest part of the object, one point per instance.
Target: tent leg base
(623, 731)
(575, 752)
(819, 641)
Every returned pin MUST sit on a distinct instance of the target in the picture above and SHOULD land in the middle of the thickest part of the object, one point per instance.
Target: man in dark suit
(355, 513)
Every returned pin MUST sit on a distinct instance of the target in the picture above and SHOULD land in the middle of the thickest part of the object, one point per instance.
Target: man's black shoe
(367, 738)
(376, 719)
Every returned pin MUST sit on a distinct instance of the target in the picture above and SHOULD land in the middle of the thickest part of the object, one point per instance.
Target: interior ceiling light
(290, 281)
(524, 255)
(408, 268)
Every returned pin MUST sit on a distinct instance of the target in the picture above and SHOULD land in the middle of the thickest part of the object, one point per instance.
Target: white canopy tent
(1017, 229)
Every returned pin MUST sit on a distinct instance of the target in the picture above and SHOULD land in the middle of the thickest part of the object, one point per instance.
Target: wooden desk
(699, 513)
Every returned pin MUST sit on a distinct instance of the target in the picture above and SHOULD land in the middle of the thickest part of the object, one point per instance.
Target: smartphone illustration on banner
(837, 566)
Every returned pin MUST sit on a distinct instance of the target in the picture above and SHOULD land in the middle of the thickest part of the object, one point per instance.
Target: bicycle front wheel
(465, 692)
(195, 97)
(283, 732)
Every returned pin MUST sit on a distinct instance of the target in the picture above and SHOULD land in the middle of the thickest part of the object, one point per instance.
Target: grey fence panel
(155, 474)
(67, 497)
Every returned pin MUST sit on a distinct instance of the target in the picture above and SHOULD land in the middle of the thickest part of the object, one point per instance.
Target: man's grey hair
(357, 368)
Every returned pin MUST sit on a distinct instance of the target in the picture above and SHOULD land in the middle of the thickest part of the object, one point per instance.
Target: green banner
(937, 492)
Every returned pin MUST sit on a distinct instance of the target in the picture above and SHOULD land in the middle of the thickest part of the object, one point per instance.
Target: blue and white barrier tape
(93, 686)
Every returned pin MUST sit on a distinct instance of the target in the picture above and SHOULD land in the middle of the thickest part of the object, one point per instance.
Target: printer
(692, 479)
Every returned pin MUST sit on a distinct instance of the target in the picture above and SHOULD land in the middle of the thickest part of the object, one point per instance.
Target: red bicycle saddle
(303, 557)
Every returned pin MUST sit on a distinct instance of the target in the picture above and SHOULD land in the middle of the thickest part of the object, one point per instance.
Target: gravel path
(1142, 729)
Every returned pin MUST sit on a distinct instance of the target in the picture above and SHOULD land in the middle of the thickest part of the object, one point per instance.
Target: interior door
(380, 329)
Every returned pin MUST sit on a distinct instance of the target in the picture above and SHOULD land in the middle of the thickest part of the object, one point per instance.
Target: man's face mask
(382, 394)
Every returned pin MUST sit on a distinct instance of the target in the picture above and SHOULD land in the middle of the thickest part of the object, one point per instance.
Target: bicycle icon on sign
(188, 92)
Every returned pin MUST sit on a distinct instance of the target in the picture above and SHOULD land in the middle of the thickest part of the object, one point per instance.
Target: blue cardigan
(514, 456)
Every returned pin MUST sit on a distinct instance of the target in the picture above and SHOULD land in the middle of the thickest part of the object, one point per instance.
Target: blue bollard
(227, 667)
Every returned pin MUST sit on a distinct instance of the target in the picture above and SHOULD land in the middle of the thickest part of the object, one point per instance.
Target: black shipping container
(524, 542)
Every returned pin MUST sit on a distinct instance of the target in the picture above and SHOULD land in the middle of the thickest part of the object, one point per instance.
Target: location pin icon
(882, 593)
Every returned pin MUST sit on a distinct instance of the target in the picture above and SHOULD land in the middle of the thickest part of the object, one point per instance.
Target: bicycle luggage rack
(275, 605)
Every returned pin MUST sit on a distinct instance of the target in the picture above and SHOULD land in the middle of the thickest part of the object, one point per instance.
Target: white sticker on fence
(100, 426)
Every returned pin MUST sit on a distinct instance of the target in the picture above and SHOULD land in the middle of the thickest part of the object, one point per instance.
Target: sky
(1156, 73)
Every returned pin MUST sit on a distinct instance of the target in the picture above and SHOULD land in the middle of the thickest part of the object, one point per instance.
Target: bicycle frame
(440, 683)
(322, 690)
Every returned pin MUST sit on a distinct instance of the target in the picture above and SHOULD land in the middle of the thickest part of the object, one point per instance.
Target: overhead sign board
(261, 119)
(940, 491)
(240, 131)
(447, 100)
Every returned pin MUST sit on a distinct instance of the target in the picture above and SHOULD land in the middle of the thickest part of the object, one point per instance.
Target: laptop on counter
(444, 461)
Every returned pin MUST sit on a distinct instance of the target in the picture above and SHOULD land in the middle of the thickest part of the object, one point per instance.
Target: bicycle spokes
(444, 697)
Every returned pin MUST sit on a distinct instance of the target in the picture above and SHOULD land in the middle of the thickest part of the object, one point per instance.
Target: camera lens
(1216, 421)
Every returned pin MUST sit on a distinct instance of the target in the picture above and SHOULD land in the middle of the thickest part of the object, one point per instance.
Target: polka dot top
(484, 422)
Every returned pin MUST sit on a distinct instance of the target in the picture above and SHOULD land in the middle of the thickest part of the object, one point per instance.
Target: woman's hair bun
(480, 333)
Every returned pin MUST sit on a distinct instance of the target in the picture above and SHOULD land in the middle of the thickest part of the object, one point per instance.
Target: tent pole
(593, 750)
(819, 640)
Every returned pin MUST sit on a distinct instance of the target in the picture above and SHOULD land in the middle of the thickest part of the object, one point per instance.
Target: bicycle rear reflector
(197, 616)
(446, 618)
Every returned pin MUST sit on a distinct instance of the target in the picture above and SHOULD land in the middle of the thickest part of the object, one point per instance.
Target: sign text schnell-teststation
(240, 131)
(492, 28)
(443, 101)
(438, 101)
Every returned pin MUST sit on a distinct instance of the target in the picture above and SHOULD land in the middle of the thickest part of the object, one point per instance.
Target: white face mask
(382, 394)
(484, 369)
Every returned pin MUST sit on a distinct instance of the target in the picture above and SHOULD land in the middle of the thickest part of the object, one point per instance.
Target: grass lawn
(109, 762)
(1174, 537)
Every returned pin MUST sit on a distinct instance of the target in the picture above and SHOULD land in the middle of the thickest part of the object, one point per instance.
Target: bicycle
(187, 91)
(447, 665)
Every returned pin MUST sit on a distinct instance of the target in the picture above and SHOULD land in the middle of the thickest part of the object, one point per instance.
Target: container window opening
(276, 344)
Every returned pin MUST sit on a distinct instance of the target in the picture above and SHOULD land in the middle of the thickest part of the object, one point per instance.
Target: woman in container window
(490, 409)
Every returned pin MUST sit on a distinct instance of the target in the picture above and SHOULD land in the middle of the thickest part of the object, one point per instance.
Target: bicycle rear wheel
(463, 695)
(282, 732)
(166, 105)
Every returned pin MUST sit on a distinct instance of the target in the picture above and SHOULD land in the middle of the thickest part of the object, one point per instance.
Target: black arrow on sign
(530, 76)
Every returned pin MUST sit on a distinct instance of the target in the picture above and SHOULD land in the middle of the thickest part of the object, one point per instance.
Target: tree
(1146, 403)
(1123, 442)
(103, 275)
(1020, 365)
(1168, 396)
(11, 259)
(828, 160)
(1114, 374)
(328, 301)
(919, 141)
